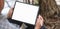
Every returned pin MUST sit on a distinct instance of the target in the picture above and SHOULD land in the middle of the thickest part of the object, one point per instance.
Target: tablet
(25, 13)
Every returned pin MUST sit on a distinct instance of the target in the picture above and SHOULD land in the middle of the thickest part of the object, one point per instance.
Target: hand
(9, 15)
(39, 22)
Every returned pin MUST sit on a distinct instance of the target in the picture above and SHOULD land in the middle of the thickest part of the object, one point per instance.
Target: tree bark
(32, 1)
(49, 11)
(29, 1)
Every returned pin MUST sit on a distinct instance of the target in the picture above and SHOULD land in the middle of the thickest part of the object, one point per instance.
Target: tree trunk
(32, 1)
(49, 11)
(28, 1)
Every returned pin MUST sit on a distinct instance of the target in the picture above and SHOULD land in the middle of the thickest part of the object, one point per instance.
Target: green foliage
(36, 1)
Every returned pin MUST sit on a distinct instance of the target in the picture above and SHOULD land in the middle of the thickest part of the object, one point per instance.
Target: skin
(39, 22)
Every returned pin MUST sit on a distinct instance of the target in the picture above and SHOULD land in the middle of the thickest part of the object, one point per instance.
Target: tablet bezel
(29, 4)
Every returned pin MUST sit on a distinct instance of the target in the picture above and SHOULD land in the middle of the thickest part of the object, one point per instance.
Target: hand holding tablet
(25, 13)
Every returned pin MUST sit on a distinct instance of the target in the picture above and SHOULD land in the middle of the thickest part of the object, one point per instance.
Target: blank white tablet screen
(25, 13)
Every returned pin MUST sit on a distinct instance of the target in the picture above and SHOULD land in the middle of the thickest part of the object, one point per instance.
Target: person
(5, 24)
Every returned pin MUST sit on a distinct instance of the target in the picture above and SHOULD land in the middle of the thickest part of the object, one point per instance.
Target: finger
(40, 17)
(40, 20)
